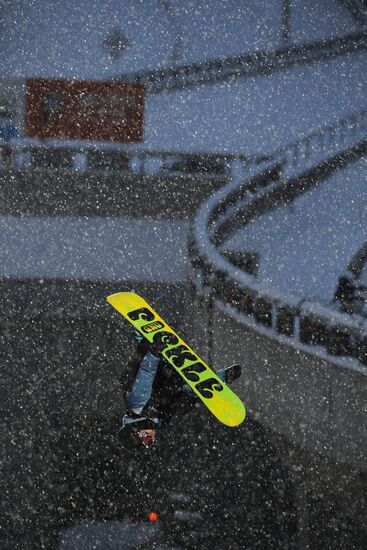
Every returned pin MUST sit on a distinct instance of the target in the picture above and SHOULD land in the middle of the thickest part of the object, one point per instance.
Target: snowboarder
(155, 394)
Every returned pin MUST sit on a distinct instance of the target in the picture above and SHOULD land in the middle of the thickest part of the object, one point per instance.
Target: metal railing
(300, 322)
(327, 140)
(245, 65)
(90, 157)
(109, 157)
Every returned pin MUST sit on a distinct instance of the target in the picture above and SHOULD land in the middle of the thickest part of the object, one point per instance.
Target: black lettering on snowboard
(179, 355)
(162, 340)
(167, 344)
(207, 387)
(152, 327)
(143, 314)
(192, 372)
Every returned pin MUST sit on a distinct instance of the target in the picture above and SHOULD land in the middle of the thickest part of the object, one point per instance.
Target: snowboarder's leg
(141, 390)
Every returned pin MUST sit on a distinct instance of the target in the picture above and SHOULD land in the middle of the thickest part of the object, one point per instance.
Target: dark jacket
(168, 396)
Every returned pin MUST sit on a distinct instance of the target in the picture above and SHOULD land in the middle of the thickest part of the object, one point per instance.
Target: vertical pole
(286, 20)
(302, 503)
(210, 329)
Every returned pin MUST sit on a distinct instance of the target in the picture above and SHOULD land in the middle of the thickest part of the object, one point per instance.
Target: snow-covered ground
(305, 247)
(93, 249)
(64, 39)
(248, 115)
(257, 115)
(108, 534)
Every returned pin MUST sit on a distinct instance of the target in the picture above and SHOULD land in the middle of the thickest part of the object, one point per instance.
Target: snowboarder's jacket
(168, 396)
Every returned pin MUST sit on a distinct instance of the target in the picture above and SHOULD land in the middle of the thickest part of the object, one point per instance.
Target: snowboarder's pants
(141, 390)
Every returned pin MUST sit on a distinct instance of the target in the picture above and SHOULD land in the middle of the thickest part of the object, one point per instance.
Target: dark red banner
(88, 110)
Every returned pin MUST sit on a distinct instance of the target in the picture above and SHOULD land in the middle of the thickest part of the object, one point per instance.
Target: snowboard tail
(215, 394)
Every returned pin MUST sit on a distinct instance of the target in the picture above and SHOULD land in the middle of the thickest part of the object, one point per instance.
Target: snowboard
(221, 401)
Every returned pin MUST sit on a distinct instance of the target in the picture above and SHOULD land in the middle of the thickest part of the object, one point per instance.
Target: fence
(267, 185)
(240, 66)
(92, 157)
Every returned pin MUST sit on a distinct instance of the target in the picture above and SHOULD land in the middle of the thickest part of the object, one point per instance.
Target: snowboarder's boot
(232, 373)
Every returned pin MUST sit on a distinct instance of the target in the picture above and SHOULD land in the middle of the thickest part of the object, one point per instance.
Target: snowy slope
(215, 28)
(251, 115)
(64, 39)
(305, 247)
(93, 249)
(257, 115)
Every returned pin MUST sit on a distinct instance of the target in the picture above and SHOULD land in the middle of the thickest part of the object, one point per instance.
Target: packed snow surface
(65, 39)
(306, 246)
(93, 249)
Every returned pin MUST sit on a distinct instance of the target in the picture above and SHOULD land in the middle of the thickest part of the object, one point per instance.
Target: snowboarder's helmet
(147, 437)
(138, 436)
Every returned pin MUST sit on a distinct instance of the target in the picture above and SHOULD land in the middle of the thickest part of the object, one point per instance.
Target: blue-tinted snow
(305, 247)
(257, 115)
(250, 115)
(93, 249)
(64, 39)
(213, 28)
(108, 534)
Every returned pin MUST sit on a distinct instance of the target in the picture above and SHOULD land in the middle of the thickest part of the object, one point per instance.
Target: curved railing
(292, 171)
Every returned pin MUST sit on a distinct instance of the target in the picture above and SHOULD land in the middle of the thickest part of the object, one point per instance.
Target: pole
(286, 20)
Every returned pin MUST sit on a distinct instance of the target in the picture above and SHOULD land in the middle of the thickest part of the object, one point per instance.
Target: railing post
(237, 169)
(210, 329)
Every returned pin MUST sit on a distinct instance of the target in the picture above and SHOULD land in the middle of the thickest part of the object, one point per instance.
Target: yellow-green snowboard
(214, 393)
